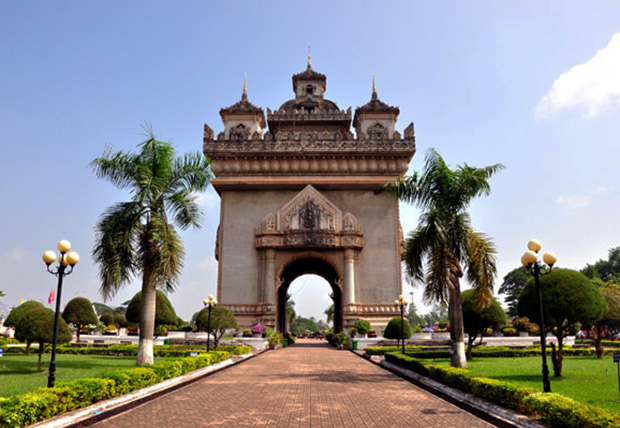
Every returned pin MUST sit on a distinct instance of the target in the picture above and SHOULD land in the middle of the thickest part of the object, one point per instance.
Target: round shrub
(362, 326)
(106, 319)
(393, 329)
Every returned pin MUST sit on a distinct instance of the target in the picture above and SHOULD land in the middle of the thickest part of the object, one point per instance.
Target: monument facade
(302, 194)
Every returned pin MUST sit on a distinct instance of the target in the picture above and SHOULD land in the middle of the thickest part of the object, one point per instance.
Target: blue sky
(531, 85)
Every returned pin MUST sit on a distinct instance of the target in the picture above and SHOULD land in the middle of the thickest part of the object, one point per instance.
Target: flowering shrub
(429, 329)
(522, 324)
(258, 329)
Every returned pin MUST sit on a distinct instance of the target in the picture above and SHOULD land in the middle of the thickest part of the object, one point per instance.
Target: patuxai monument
(301, 193)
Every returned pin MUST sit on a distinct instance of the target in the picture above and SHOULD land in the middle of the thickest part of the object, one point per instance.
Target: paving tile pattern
(307, 385)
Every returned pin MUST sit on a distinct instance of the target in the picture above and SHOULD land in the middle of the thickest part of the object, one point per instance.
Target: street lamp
(209, 302)
(65, 259)
(530, 260)
(403, 304)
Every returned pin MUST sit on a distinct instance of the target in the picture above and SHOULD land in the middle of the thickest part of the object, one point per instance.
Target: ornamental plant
(362, 326)
(258, 329)
(522, 324)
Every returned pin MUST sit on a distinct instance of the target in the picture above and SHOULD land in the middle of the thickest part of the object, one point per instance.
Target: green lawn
(19, 372)
(586, 379)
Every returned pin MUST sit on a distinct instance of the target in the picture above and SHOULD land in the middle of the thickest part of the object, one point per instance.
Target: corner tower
(306, 196)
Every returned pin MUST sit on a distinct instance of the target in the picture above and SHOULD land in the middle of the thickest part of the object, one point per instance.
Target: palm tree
(291, 314)
(330, 312)
(444, 242)
(136, 237)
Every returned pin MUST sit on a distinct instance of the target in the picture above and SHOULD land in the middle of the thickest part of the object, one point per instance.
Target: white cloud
(593, 85)
(603, 190)
(13, 255)
(573, 202)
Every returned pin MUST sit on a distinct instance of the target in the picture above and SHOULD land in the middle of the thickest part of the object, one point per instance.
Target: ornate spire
(374, 87)
(309, 59)
(244, 96)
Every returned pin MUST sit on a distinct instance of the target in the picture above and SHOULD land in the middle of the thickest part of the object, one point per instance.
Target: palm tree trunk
(457, 331)
(147, 320)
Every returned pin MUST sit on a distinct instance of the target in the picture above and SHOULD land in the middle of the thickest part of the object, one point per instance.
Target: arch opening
(305, 266)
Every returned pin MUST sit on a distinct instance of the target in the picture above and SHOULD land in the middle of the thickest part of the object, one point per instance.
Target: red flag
(52, 296)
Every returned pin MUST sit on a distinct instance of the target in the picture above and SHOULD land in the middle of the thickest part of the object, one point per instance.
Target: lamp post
(65, 259)
(403, 304)
(530, 260)
(209, 302)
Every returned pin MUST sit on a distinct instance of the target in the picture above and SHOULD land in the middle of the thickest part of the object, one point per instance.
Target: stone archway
(309, 264)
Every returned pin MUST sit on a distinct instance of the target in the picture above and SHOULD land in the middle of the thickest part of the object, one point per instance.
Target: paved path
(306, 385)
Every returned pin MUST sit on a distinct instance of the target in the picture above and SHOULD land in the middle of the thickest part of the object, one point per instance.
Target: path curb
(505, 415)
(89, 415)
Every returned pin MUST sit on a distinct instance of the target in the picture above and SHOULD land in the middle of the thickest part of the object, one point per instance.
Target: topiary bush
(362, 326)
(393, 329)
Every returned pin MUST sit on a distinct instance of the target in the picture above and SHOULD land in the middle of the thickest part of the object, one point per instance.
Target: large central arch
(309, 264)
(298, 180)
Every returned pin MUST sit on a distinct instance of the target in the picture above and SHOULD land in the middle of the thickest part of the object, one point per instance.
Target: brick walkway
(307, 385)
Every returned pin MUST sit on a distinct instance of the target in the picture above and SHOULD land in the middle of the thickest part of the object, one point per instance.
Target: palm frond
(116, 237)
(185, 209)
(115, 167)
(482, 266)
(170, 254)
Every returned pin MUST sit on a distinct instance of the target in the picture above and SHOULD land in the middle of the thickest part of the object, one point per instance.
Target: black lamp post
(530, 260)
(209, 303)
(65, 259)
(403, 304)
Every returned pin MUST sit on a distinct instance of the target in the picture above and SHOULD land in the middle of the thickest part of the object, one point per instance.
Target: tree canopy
(477, 319)
(222, 319)
(444, 247)
(513, 283)
(164, 312)
(605, 270)
(569, 297)
(139, 237)
(393, 329)
(302, 325)
(17, 313)
(37, 326)
(79, 312)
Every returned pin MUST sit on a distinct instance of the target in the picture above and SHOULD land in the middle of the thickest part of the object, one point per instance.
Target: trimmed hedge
(553, 409)
(605, 343)
(483, 352)
(25, 409)
(132, 350)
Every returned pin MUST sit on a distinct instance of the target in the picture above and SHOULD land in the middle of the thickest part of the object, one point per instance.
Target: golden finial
(309, 59)
(374, 85)
(245, 83)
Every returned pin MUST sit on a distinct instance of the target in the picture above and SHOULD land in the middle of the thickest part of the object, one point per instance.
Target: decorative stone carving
(350, 223)
(409, 132)
(327, 216)
(377, 132)
(208, 132)
(238, 133)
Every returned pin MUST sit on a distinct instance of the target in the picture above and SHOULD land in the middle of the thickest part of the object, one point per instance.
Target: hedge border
(554, 409)
(484, 352)
(25, 409)
(132, 350)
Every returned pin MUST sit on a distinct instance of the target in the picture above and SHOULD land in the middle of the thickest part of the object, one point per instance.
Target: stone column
(269, 278)
(349, 275)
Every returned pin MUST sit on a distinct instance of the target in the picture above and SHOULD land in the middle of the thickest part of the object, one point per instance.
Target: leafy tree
(413, 317)
(222, 319)
(330, 311)
(136, 237)
(37, 326)
(2, 293)
(513, 283)
(291, 315)
(606, 270)
(393, 329)
(79, 312)
(164, 312)
(437, 315)
(17, 313)
(106, 319)
(444, 242)
(362, 326)
(569, 297)
(302, 325)
(477, 319)
(119, 320)
(609, 323)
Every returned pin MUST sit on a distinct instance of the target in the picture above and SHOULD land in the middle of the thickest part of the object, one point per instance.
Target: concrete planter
(523, 334)
(421, 336)
(441, 336)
